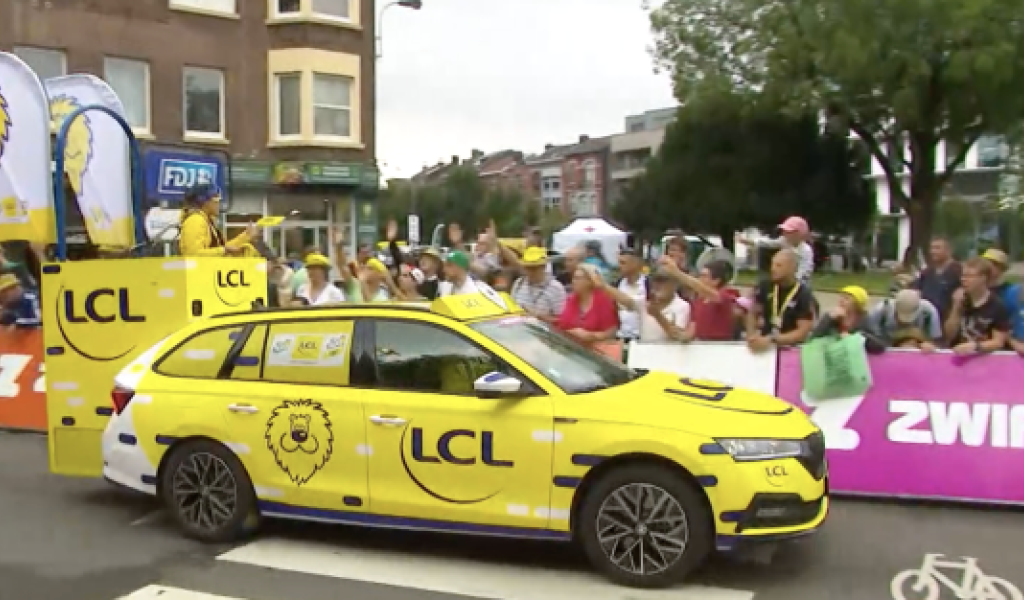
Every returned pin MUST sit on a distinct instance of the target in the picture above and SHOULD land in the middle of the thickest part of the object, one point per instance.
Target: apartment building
(650, 120)
(276, 94)
(585, 177)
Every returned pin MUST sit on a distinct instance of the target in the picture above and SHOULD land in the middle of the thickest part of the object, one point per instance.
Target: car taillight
(121, 397)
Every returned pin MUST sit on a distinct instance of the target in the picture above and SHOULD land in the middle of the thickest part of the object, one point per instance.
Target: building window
(226, 7)
(288, 7)
(332, 105)
(204, 102)
(289, 104)
(47, 63)
(589, 173)
(335, 9)
(130, 81)
(993, 151)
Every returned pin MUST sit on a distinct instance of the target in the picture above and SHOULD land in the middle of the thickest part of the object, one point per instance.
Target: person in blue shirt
(595, 257)
(19, 308)
(1011, 294)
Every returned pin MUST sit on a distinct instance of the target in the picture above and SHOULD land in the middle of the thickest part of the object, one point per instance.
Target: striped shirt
(544, 299)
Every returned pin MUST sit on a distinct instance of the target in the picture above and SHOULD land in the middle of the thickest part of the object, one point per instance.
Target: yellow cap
(535, 256)
(8, 281)
(859, 295)
(318, 260)
(375, 265)
(996, 256)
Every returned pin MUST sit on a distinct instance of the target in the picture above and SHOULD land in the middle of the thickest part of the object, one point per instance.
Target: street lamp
(413, 4)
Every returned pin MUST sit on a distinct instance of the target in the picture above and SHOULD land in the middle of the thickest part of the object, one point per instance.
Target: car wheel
(645, 526)
(208, 493)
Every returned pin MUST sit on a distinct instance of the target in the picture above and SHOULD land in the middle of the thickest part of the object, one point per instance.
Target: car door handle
(388, 421)
(246, 409)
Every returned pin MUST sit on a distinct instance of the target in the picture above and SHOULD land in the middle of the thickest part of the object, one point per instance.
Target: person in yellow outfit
(199, 233)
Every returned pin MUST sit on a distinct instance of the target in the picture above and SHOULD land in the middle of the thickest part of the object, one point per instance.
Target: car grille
(767, 511)
(813, 456)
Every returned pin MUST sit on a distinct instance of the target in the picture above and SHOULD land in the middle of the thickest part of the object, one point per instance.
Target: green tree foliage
(894, 72)
(724, 167)
(460, 198)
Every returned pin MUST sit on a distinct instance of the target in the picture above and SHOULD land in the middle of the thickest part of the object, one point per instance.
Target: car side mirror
(497, 385)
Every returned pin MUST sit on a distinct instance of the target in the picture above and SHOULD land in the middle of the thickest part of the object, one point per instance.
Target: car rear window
(201, 356)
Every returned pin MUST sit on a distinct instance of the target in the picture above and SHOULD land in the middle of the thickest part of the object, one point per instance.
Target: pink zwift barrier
(930, 427)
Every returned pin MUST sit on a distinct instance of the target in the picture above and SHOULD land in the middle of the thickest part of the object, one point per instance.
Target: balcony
(631, 151)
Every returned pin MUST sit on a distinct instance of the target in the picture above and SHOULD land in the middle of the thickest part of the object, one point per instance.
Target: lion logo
(300, 437)
(5, 123)
(78, 148)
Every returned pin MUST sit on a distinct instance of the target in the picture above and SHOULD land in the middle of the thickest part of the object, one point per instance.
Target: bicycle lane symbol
(928, 581)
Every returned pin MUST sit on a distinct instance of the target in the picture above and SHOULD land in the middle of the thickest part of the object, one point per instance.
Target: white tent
(583, 230)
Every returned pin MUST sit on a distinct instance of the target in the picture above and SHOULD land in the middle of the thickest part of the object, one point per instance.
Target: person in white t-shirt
(665, 317)
(796, 235)
(318, 290)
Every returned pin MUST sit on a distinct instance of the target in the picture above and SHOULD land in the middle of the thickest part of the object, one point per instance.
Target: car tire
(683, 498)
(232, 520)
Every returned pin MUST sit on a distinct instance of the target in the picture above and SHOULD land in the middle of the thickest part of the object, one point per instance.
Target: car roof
(465, 308)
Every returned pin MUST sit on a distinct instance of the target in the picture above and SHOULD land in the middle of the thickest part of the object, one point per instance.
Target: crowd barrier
(932, 425)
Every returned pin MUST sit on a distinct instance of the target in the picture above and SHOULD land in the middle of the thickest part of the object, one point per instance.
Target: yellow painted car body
(296, 396)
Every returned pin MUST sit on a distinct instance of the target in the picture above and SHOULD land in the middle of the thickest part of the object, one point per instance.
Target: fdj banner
(170, 174)
(928, 428)
(96, 157)
(26, 193)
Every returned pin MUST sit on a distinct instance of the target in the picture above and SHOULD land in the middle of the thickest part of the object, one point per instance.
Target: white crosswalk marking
(451, 576)
(160, 592)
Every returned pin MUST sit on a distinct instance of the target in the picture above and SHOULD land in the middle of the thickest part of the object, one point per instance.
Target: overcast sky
(497, 74)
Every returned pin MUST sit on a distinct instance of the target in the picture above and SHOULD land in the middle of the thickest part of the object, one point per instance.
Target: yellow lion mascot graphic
(78, 149)
(300, 437)
(10, 207)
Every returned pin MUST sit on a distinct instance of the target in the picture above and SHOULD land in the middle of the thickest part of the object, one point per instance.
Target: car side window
(417, 357)
(308, 352)
(249, 360)
(201, 356)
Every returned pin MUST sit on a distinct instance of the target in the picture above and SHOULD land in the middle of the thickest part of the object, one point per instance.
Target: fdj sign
(170, 174)
(118, 307)
(231, 279)
(444, 450)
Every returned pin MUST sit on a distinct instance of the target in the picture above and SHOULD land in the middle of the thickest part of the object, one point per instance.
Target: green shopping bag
(835, 367)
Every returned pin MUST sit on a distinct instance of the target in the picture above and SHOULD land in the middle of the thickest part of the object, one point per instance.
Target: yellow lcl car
(461, 416)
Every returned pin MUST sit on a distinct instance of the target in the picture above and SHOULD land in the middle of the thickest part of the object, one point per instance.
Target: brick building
(585, 177)
(280, 93)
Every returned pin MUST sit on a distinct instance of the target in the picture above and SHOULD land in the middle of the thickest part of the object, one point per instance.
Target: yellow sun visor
(270, 221)
(467, 307)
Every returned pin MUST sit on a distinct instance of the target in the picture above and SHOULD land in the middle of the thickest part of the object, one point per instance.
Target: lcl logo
(231, 279)
(102, 306)
(229, 287)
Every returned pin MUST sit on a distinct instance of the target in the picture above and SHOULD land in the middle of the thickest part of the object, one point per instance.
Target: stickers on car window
(301, 438)
(308, 350)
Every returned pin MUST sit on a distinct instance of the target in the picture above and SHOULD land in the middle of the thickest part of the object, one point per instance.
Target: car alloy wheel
(642, 529)
(204, 491)
(207, 491)
(645, 525)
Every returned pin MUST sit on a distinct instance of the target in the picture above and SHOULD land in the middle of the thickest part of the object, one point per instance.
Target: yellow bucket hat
(318, 260)
(859, 295)
(534, 256)
(375, 265)
(997, 257)
(8, 281)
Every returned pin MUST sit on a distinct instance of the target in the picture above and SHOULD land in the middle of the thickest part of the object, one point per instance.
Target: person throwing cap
(199, 233)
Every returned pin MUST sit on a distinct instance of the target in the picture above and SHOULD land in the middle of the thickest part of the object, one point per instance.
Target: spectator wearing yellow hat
(850, 316)
(1012, 295)
(537, 292)
(378, 284)
(318, 290)
(19, 307)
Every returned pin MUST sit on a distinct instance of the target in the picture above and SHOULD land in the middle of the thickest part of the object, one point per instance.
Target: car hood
(665, 400)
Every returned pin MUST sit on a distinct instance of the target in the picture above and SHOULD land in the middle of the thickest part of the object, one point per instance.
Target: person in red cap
(796, 235)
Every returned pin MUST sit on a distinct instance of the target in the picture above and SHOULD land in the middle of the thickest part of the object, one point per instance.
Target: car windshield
(570, 366)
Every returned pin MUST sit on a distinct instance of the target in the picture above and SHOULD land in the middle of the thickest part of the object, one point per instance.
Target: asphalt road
(69, 539)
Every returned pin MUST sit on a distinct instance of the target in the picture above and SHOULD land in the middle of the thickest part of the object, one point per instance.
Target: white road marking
(148, 518)
(452, 576)
(160, 592)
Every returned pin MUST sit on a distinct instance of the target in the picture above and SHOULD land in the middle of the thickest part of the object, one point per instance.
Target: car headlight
(748, 449)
